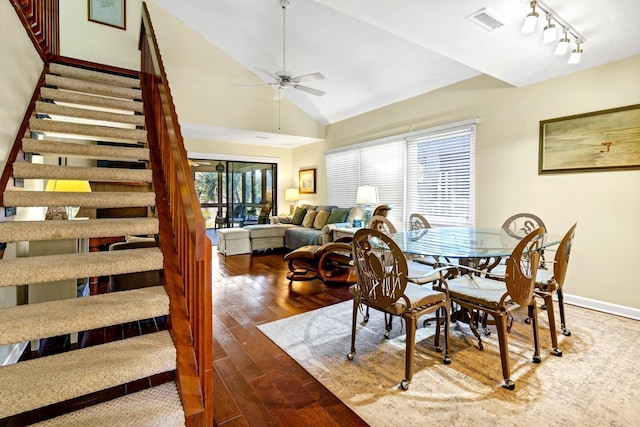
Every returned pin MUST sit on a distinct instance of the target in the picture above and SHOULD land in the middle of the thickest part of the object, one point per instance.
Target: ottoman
(233, 241)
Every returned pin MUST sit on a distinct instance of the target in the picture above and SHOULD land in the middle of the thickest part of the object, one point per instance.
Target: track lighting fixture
(531, 21)
(563, 44)
(576, 55)
(550, 35)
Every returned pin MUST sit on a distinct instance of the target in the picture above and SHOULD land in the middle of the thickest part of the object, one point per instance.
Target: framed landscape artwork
(307, 181)
(601, 140)
(109, 12)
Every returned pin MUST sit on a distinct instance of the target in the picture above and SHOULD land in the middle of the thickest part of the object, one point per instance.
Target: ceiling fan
(284, 79)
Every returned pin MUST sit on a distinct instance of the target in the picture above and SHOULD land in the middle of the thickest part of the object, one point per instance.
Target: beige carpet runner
(84, 116)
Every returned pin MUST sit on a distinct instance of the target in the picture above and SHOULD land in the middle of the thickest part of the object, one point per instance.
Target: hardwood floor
(255, 382)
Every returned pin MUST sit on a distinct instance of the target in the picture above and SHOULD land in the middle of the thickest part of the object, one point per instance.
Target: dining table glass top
(463, 242)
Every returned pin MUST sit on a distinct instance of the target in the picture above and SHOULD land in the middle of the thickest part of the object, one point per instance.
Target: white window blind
(430, 172)
(440, 176)
(382, 166)
(343, 176)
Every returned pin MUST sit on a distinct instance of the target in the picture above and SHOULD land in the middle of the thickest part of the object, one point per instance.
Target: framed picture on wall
(596, 141)
(109, 12)
(307, 181)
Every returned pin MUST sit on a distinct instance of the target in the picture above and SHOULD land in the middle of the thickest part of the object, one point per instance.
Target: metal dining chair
(382, 285)
(476, 293)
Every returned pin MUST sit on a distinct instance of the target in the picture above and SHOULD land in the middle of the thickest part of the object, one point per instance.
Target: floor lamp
(367, 196)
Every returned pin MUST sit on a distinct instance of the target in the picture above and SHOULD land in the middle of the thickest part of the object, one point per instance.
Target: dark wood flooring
(255, 382)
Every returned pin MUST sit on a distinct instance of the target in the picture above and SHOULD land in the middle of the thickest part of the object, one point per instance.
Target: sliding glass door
(234, 193)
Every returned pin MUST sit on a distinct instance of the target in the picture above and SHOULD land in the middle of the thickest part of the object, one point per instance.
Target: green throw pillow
(338, 215)
(298, 217)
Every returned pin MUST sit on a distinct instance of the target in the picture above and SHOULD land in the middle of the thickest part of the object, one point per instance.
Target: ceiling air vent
(486, 19)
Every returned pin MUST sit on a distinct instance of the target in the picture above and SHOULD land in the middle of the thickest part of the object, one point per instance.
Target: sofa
(309, 225)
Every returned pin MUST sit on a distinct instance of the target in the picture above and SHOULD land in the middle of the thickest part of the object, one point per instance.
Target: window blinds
(430, 172)
(440, 176)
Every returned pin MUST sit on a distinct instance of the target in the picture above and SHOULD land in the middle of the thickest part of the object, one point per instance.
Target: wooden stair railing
(41, 20)
(182, 232)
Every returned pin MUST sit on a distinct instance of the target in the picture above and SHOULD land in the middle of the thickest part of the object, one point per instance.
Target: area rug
(594, 383)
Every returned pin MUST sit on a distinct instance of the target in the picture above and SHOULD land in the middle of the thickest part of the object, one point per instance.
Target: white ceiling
(377, 52)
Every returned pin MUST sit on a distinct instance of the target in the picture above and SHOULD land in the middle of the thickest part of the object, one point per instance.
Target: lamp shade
(530, 23)
(367, 195)
(291, 194)
(69, 186)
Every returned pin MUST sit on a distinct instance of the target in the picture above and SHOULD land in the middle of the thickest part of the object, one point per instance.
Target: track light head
(576, 55)
(549, 34)
(531, 21)
(563, 44)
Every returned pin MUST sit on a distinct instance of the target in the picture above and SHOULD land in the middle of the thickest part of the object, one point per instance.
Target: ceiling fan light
(530, 23)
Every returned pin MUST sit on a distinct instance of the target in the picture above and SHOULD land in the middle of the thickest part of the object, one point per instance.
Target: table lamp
(366, 196)
(67, 186)
(291, 195)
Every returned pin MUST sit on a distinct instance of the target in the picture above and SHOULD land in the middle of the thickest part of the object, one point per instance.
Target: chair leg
(548, 301)
(501, 325)
(409, 350)
(388, 325)
(563, 326)
(447, 326)
(536, 339)
(366, 316)
(354, 319)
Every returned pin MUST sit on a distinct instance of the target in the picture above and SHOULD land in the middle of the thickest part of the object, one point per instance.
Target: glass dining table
(478, 247)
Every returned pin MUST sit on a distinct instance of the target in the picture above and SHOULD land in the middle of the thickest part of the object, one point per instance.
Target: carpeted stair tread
(17, 231)
(41, 171)
(92, 100)
(98, 200)
(51, 268)
(153, 407)
(92, 87)
(54, 318)
(132, 136)
(91, 151)
(84, 113)
(43, 381)
(95, 76)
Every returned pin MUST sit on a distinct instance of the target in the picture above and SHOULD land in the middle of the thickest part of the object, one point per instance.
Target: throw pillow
(309, 217)
(298, 216)
(354, 212)
(321, 220)
(338, 215)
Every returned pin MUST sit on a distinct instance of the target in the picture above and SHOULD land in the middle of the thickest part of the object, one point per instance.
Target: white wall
(606, 205)
(91, 41)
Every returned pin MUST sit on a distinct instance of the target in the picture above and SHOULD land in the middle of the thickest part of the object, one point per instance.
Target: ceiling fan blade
(309, 90)
(270, 74)
(307, 77)
(255, 84)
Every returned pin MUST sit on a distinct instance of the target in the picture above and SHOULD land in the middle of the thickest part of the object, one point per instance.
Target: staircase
(77, 108)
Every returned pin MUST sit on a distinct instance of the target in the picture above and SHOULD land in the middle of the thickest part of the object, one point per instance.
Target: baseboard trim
(15, 353)
(605, 307)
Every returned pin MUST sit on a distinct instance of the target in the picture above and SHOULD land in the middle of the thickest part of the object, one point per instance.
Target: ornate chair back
(522, 266)
(381, 210)
(562, 256)
(418, 222)
(382, 224)
(381, 267)
(521, 224)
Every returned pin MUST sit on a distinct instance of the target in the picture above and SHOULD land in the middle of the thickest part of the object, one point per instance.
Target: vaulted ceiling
(377, 52)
